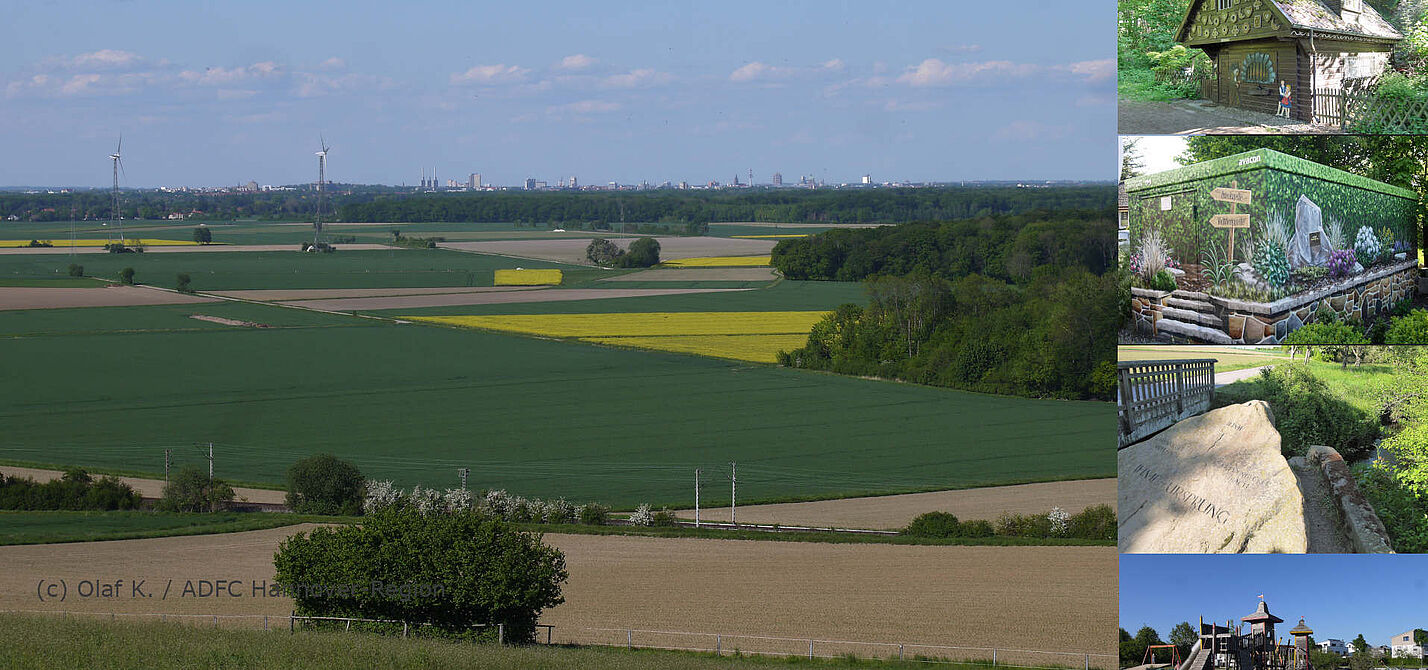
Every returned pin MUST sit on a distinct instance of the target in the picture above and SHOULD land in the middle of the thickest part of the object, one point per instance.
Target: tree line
(677, 206)
(1016, 305)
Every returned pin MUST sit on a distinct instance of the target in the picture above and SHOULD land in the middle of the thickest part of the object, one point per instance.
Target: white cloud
(333, 63)
(576, 62)
(835, 65)
(585, 107)
(1093, 70)
(79, 84)
(491, 74)
(216, 76)
(934, 72)
(105, 59)
(754, 70)
(637, 78)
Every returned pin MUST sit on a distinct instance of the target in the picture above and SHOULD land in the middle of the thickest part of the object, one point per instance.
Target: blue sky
(1340, 596)
(220, 93)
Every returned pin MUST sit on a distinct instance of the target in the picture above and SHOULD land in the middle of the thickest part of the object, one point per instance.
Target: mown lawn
(1359, 385)
(1227, 359)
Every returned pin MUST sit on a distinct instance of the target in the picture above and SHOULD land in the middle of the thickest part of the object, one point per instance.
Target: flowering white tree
(380, 496)
(1060, 522)
(642, 516)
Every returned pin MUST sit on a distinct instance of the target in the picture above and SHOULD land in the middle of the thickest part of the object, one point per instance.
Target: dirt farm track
(1047, 598)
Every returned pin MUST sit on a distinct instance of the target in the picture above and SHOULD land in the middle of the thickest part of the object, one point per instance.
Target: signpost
(1234, 196)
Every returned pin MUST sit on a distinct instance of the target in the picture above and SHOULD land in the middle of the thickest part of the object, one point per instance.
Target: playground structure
(1232, 648)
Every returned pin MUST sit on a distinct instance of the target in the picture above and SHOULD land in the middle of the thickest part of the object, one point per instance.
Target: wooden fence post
(501, 633)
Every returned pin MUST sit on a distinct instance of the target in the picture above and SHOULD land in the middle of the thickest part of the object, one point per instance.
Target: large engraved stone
(1215, 483)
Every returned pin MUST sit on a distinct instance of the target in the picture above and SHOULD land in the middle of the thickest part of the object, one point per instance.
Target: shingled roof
(1315, 15)
(1304, 16)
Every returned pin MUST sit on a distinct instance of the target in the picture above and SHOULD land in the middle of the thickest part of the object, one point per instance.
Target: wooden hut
(1265, 51)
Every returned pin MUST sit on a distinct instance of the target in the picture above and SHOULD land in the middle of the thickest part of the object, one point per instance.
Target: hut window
(1357, 66)
(1224, 4)
(1258, 68)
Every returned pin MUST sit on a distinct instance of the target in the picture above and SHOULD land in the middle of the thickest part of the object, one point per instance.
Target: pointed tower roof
(1301, 629)
(1262, 614)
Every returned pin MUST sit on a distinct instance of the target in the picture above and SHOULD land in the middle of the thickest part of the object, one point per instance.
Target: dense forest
(892, 205)
(1019, 304)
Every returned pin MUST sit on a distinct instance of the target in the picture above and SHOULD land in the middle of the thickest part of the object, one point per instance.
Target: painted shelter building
(1261, 243)
(1268, 53)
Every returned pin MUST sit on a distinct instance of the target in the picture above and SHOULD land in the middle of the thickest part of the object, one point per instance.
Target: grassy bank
(77, 643)
(45, 527)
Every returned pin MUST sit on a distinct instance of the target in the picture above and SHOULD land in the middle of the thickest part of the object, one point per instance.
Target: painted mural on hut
(1307, 224)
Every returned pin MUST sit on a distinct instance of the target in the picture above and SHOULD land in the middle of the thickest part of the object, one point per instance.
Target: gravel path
(1227, 378)
(1202, 117)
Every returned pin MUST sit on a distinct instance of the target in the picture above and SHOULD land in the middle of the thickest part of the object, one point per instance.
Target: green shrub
(127, 275)
(1409, 329)
(453, 571)
(1271, 263)
(192, 491)
(1097, 522)
(1163, 281)
(664, 517)
(603, 252)
(1328, 333)
(76, 270)
(74, 490)
(1024, 525)
(593, 514)
(1404, 515)
(643, 253)
(202, 235)
(184, 283)
(934, 524)
(325, 484)
(1307, 412)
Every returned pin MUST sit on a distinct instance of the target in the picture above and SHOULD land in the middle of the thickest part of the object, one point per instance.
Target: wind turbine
(321, 179)
(114, 203)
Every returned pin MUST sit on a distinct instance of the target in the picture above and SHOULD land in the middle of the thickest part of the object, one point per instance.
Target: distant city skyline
(221, 95)
(1340, 595)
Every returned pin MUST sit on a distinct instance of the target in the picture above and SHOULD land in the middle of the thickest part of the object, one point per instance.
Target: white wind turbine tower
(114, 202)
(321, 180)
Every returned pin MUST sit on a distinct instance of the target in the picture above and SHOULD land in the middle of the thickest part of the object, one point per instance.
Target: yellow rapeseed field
(520, 277)
(746, 336)
(756, 348)
(10, 244)
(718, 262)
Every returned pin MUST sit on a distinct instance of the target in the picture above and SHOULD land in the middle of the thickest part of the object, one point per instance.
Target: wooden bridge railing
(1153, 395)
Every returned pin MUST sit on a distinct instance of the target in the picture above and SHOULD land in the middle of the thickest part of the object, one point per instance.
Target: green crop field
(217, 271)
(782, 296)
(114, 387)
(294, 233)
(47, 527)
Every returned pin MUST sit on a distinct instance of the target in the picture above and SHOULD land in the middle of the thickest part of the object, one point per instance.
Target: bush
(664, 517)
(127, 275)
(325, 484)
(934, 524)
(593, 514)
(74, 490)
(1366, 246)
(1409, 329)
(1024, 525)
(76, 270)
(1341, 263)
(1271, 263)
(603, 252)
(642, 516)
(1097, 522)
(184, 282)
(1327, 332)
(455, 572)
(1307, 412)
(1163, 281)
(192, 491)
(643, 253)
(202, 235)
(1404, 514)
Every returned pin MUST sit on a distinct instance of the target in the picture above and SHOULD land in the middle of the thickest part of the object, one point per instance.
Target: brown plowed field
(573, 250)
(1048, 598)
(890, 512)
(24, 297)
(493, 298)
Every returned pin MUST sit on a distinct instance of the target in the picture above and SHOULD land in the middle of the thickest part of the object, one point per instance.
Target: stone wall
(1367, 297)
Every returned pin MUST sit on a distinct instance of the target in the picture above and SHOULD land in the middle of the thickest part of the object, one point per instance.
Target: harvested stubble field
(718, 262)
(572, 251)
(894, 512)
(536, 417)
(697, 274)
(957, 596)
(22, 297)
